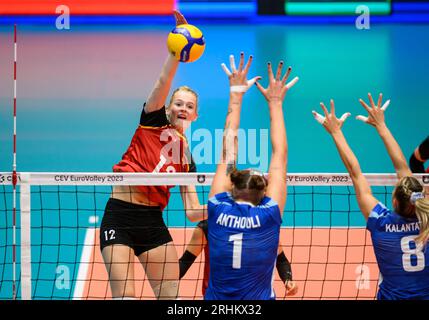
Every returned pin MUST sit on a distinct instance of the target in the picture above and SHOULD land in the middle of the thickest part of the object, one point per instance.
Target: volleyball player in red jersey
(133, 223)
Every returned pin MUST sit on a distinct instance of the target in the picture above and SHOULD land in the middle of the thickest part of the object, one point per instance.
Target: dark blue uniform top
(243, 241)
(403, 264)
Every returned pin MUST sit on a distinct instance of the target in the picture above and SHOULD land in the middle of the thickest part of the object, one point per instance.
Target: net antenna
(14, 175)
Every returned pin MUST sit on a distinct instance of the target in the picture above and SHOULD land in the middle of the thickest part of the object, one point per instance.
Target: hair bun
(257, 182)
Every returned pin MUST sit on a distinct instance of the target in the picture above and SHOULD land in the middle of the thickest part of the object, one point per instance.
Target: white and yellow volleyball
(186, 42)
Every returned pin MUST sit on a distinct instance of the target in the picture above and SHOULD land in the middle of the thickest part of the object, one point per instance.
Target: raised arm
(159, 93)
(333, 125)
(195, 211)
(275, 94)
(376, 119)
(238, 86)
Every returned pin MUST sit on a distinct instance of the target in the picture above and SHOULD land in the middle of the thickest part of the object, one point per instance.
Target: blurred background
(81, 85)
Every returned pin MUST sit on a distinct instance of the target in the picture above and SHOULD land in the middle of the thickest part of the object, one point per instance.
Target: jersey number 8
(408, 253)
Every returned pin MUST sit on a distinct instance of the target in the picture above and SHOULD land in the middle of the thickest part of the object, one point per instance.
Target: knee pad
(167, 290)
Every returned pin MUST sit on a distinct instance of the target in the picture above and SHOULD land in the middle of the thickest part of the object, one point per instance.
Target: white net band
(203, 179)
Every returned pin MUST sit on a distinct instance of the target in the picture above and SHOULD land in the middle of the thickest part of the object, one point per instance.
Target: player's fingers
(380, 99)
(279, 71)
(292, 83)
(260, 87)
(294, 291)
(241, 64)
(362, 118)
(286, 76)
(345, 116)
(252, 81)
(225, 68)
(385, 105)
(325, 110)
(319, 118)
(291, 288)
(363, 103)
(371, 101)
(232, 63)
(248, 64)
(270, 72)
(180, 19)
(332, 107)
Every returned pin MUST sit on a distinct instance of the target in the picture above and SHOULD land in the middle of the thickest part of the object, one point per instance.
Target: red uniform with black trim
(156, 147)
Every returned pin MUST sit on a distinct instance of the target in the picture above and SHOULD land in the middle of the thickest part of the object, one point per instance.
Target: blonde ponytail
(411, 201)
(422, 213)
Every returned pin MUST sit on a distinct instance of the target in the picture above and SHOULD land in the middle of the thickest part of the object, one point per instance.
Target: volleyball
(186, 42)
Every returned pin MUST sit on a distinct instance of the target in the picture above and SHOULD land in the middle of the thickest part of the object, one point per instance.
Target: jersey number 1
(237, 239)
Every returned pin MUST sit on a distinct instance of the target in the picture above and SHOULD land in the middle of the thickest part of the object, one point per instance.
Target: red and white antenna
(14, 175)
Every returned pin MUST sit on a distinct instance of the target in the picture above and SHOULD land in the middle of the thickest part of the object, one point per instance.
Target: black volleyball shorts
(139, 227)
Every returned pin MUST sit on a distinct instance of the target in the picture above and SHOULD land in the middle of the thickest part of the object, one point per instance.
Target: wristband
(241, 89)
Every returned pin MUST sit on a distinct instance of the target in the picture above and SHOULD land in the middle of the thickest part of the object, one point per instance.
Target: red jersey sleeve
(156, 147)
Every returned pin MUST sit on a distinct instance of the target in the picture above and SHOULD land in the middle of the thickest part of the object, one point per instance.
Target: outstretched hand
(276, 90)
(238, 77)
(330, 122)
(180, 19)
(375, 112)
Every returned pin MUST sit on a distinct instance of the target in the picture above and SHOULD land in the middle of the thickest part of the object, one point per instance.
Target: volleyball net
(59, 214)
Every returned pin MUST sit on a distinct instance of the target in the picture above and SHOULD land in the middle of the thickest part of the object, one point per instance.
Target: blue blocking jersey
(243, 241)
(403, 264)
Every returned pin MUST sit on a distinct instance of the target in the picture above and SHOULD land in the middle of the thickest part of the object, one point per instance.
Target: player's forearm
(394, 151)
(234, 110)
(196, 214)
(278, 132)
(232, 123)
(364, 196)
(283, 267)
(195, 211)
(185, 262)
(347, 156)
(162, 86)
